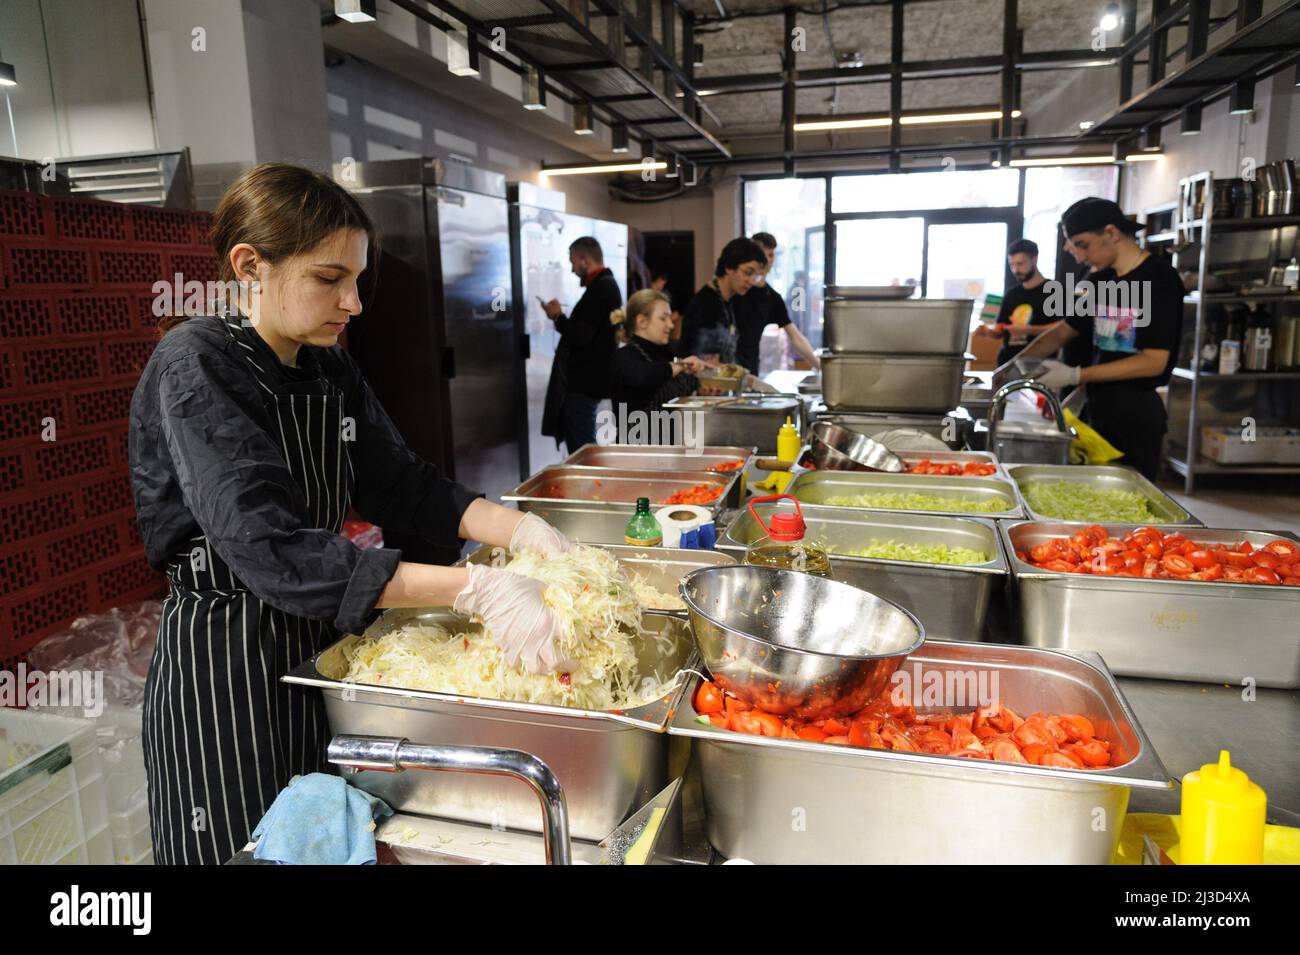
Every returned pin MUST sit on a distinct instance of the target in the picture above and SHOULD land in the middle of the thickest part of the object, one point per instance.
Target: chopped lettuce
(917, 502)
(1072, 501)
(924, 553)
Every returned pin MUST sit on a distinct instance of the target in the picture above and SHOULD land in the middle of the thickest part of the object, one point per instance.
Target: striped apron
(222, 734)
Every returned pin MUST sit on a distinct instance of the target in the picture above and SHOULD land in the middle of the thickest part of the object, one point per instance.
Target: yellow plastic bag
(1089, 447)
(1281, 843)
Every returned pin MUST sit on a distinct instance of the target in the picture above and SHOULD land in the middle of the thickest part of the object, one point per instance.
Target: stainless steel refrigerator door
(473, 242)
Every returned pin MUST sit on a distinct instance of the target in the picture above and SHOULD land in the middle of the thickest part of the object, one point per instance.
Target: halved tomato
(1287, 551)
(708, 699)
(1236, 558)
(1202, 558)
(1261, 575)
(1263, 558)
(1177, 564)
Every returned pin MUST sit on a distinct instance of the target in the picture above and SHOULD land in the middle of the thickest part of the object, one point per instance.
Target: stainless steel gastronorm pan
(748, 420)
(609, 763)
(613, 488)
(947, 427)
(664, 457)
(911, 458)
(1164, 508)
(1202, 631)
(951, 601)
(913, 384)
(814, 487)
(780, 801)
(924, 326)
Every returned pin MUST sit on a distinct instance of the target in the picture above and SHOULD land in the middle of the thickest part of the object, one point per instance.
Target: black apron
(1133, 420)
(222, 734)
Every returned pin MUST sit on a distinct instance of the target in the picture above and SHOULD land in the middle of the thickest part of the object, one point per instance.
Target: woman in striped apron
(250, 438)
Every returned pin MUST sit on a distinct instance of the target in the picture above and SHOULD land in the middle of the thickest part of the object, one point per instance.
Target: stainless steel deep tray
(614, 488)
(780, 801)
(609, 763)
(814, 487)
(1164, 508)
(1203, 631)
(951, 600)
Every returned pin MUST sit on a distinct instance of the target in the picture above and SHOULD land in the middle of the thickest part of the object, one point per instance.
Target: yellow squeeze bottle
(1222, 816)
(788, 443)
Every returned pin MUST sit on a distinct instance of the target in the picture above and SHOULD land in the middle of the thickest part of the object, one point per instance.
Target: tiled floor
(1250, 503)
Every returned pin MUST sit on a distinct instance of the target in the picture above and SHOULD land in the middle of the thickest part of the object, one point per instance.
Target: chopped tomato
(1177, 564)
(1286, 551)
(811, 733)
(1202, 558)
(708, 699)
(1262, 575)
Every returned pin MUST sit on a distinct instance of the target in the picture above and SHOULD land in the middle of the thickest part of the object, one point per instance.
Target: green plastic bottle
(643, 530)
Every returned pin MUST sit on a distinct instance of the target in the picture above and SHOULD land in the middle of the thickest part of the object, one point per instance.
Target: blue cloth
(319, 819)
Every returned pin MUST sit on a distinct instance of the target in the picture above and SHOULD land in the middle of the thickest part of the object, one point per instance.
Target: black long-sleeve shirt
(588, 335)
(203, 461)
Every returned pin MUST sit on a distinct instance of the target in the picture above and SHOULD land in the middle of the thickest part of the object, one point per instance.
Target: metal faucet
(999, 401)
(392, 754)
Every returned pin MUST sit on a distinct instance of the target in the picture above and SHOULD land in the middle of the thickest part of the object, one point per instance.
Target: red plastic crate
(12, 474)
(102, 405)
(6, 371)
(85, 548)
(38, 515)
(94, 314)
(104, 497)
(46, 266)
(90, 219)
(31, 619)
(22, 419)
(131, 266)
(74, 458)
(26, 316)
(170, 226)
(22, 214)
(129, 357)
(59, 364)
(194, 266)
(20, 570)
(128, 576)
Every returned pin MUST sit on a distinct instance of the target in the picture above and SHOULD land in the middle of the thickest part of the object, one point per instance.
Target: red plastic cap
(787, 527)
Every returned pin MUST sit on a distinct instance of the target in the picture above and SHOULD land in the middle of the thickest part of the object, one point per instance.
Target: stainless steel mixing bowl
(841, 449)
(796, 644)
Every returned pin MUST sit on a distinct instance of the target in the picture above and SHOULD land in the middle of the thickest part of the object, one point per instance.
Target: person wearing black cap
(1133, 317)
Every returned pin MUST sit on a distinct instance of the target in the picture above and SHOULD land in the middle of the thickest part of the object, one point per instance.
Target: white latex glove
(533, 533)
(1056, 374)
(513, 611)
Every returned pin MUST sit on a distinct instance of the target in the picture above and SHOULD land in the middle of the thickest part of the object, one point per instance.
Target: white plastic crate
(130, 830)
(53, 803)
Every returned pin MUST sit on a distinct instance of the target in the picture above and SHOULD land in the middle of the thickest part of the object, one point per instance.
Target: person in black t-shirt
(1021, 317)
(762, 306)
(709, 324)
(1133, 315)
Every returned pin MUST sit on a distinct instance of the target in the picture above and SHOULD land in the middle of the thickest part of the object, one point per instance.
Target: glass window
(879, 251)
(794, 212)
(1049, 191)
(966, 260)
(954, 189)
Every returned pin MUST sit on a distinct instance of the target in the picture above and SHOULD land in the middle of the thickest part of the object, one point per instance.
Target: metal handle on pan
(392, 754)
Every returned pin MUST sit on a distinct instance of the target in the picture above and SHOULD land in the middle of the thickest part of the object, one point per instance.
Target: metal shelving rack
(1186, 460)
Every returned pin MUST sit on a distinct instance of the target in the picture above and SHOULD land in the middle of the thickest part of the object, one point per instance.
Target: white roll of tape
(677, 519)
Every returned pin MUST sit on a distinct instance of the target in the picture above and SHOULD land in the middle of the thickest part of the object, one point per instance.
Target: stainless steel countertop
(1188, 723)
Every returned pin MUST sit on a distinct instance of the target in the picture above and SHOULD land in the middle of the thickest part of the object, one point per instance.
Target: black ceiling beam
(1128, 10)
(1010, 21)
(812, 10)
(536, 20)
(1157, 44)
(546, 42)
(915, 70)
(895, 82)
(1248, 11)
(600, 48)
(789, 89)
(905, 150)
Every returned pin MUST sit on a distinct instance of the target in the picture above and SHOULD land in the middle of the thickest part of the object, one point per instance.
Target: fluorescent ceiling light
(355, 11)
(915, 119)
(1110, 17)
(1143, 157)
(1063, 161)
(608, 167)
(863, 123)
(973, 116)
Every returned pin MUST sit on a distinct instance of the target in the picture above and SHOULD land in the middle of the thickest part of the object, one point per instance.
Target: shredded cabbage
(927, 553)
(894, 501)
(1072, 501)
(597, 608)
